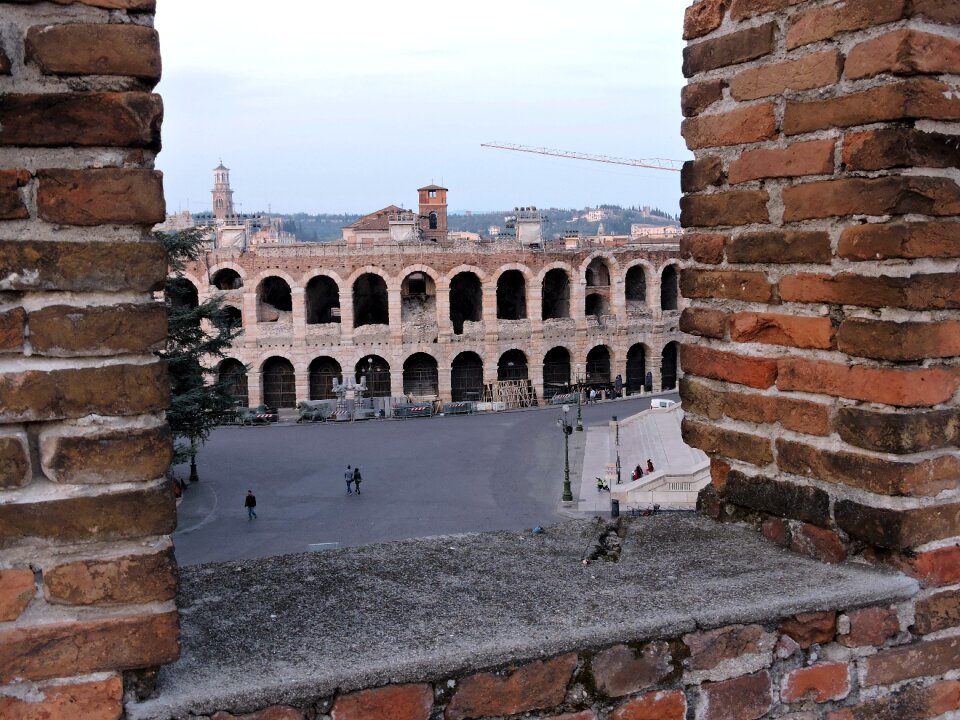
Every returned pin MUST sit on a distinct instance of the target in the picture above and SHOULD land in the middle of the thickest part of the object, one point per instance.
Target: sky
(324, 107)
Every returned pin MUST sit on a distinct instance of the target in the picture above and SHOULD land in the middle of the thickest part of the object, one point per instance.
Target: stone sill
(293, 628)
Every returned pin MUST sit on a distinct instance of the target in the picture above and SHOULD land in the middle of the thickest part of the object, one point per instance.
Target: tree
(198, 335)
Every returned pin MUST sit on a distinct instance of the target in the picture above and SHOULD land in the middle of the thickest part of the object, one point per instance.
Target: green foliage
(199, 334)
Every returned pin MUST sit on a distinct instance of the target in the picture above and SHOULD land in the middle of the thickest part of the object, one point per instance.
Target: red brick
(66, 331)
(810, 628)
(131, 579)
(15, 467)
(88, 646)
(820, 543)
(888, 241)
(931, 658)
(899, 147)
(83, 119)
(703, 17)
(803, 158)
(899, 342)
(741, 9)
(109, 457)
(899, 432)
(731, 49)
(94, 49)
(826, 22)
(716, 440)
(736, 127)
(534, 686)
(398, 702)
(100, 197)
(663, 705)
(776, 531)
(820, 683)
(871, 626)
(933, 568)
(709, 648)
(784, 499)
(718, 473)
(903, 52)
(12, 324)
(707, 249)
(98, 700)
(942, 11)
(702, 173)
(753, 372)
(743, 698)
(704, 322)
(806, 73)
(800, 415)
(907, 703)
(791, 331)
(780, 247)
(17, 588)
(697, 97)
(12, 205)
(939, 291)
(728, 284)
(897, 529)
(622, 670)
(742, 207)
(902, 388)
(895, 195)
(701, 399)
(937, 612)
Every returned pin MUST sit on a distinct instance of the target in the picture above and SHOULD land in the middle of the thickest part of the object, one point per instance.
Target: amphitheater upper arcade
(434, 321)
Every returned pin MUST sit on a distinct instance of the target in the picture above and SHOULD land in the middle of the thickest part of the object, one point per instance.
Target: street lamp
(579, 399)
(564, 425)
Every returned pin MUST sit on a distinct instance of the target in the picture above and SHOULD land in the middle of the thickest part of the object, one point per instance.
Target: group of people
(352, 476)
(638, 471)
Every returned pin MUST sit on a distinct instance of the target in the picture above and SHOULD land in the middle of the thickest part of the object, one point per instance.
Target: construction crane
(652, 163)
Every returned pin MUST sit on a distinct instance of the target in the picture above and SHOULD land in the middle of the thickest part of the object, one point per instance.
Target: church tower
(222, 194)
(433, 212)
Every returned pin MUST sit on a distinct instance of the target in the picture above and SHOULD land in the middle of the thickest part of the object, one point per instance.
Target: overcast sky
(318, 106)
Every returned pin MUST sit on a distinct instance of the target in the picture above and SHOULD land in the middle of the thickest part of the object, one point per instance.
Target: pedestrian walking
(593, 395)
(250, 504)
(348, 476)
(618, 386)
(357, 478)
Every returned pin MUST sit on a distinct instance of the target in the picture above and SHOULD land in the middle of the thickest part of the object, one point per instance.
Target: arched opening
(595, 304)
(231, 317)
(279, 384)
(555, 302)
(370, 304)
(323, 301)
(466, 377)
(233, 376)
(181, 293)
(377, 372)
(466, 301)
(511, 296)
(273, 298)
(635, 288)
(432, 220)
(636, 368)
(597, 274)
(512, 366)
(598, 366)
(322, 372)
(669, 289)
(556, 371)
(418, 299)
(668, 368)
(420, 377)
(227, 279)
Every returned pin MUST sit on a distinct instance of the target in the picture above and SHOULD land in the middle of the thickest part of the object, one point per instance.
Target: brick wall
(86, 570)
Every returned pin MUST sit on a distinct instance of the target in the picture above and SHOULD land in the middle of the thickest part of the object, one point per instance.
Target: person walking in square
(250, 504)
(348, 476)
(357, 479)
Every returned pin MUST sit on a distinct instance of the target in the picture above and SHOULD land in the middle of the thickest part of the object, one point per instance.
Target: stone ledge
(296, 627)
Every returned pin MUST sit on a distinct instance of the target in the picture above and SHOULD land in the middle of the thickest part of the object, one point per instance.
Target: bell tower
(433, 212)
(222, 194)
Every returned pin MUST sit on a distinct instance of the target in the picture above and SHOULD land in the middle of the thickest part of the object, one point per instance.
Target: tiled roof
(379, 220)
(432, 187)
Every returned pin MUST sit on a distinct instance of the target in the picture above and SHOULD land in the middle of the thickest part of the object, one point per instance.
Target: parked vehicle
(662, 403)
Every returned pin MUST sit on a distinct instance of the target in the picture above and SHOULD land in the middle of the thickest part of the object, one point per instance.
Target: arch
(273, 297)
(598, 365)
(556, 371)
(466, 377)
(227, 278)
(232, 374)
(321, 373)
(432, 220)
(668, 367)
(636, 367)
(555, 294)
(596, 304)
(371, 305)
(421, 376)
(476, 270)
(511, 296)
(466, 300)
(182, 293)
(279, 383)
(513, 366)
(635, 287)
(322, 298)
(597, 273)
(231, 317)
(520, 267)
(669, 288)
(377, 372)
(418, 298)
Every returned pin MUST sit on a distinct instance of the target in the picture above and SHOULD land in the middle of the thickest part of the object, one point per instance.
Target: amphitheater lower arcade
(441, 322)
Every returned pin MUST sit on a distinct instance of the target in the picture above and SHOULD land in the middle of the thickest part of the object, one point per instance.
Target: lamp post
(617, 427)
(579, 400)
(564, 425)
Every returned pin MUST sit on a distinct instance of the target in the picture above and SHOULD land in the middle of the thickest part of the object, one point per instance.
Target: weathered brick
(703, 248)
(718, 473)
(716, 440)
(779, 247)
(622, 670)
(937, 612)
(84, 119)
(17, 588)
(805, 73)
(127, 514)
(133, 579)
(887, 241)
(932, 568)
(903, 52)
(895, 195)
(899, 342)
(96, 700)
(907, 703)
(931, 658)
(936, 291)
(12, 325)
(741, 207)
(90, 49)
(826, 22)
(15, 467)
(899, 147)
(700, 399)
(814, 157)
(663, 705)
(744, 698)
(697, 97)
(816, 542)
(585, 715)
(728, 284)
(12, 205)
(731, 49)
(274, 712)
(702, 173)
(4, 63)
(88, 646)
(897, 529)
(710, 648)
(741, 9)
(901, 432)
(820, 683)
(704, 322)
(66, 331)
(736, 127)
(533, 686)
(812, 628)
(703, 17)
(942, 11)
(105, 457)
(779, 498)
(100, 197)
(775, 329)
(753, 372)
(403, 702)
(871, 626)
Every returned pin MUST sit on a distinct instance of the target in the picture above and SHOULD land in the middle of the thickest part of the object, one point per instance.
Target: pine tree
(198, 336)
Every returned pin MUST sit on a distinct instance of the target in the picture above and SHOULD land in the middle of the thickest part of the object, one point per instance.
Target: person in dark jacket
(250, 504)
(649, 466)
(357, 479)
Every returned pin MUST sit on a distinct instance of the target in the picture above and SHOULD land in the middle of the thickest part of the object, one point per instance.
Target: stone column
(395, 312)
(251, 330)
(444, 326)
(299, 316)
